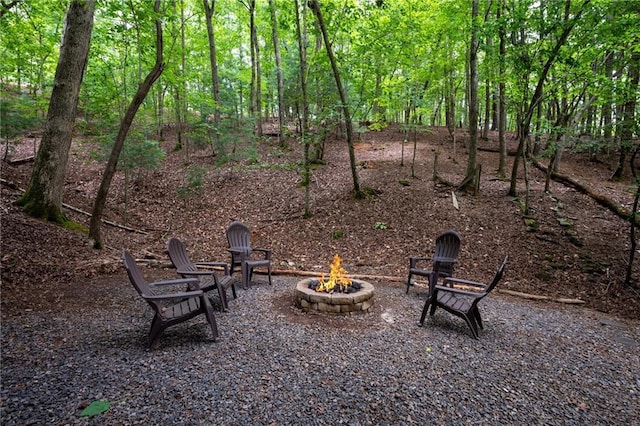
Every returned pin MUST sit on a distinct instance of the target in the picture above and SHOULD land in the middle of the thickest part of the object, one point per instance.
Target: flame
(337, 277)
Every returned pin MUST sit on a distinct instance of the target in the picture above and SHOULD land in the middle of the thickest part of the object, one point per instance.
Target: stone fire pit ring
(334, 303)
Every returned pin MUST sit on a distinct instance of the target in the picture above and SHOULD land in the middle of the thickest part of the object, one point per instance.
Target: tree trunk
(255, 106)
(304, 125)
(632, 219)
(215, 81)
(43, 197)
(276, 50)
(525, 124)
(628, 123)
(315, 7)
(502, 112)
(487, 110)
(607, 111)
(470, 178)
(125, 124)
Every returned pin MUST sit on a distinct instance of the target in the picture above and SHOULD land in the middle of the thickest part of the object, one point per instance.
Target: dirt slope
(579, 250)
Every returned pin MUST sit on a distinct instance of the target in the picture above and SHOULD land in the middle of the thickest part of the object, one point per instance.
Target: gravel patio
(274, 365)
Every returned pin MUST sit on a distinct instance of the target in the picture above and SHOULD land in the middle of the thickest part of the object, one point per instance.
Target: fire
(337, 277)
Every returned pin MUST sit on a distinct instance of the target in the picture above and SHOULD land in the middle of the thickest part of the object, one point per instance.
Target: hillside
(579, 250)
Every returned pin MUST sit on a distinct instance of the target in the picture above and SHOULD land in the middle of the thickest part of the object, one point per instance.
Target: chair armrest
(266, 252)
(464, 282)
(174, 282)
(444, 259)
(171, 296)
(240, 250)
(192, 272)
(220, 264)
(413, 261)
(421, 272)
(459, 291)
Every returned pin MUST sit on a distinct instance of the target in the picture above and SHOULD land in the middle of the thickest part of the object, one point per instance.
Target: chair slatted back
(447, 246)
(178, 255)
(137, 280)
(497, 277)
(238, 235)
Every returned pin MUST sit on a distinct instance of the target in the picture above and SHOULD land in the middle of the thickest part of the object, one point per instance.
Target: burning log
(338, 281)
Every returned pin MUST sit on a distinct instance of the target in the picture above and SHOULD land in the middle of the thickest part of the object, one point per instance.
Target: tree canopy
(565, 63)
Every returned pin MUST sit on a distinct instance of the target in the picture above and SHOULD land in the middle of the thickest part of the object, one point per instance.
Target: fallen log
(293, 272)
(599, 198)
(77, 210)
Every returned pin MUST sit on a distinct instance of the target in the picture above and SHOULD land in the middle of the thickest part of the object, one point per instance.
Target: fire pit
(337, 295)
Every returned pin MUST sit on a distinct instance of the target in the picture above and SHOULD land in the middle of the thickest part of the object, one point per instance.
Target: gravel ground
(273, 365)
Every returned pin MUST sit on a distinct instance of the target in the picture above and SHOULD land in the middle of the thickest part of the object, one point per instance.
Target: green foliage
(379, 225)
(75, 226)
(201, 134)
(95, 408)
(17, 114)
(379, 123)
(405, 56)
(195, 181)
(138, 153)
(337, 234)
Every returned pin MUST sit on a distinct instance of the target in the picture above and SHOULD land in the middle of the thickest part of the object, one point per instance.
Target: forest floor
(579, 251)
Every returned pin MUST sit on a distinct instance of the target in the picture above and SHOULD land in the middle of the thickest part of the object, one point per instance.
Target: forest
(112, 92)
(358, 130)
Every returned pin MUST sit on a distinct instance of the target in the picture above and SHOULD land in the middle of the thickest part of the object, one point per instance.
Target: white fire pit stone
(334, 303)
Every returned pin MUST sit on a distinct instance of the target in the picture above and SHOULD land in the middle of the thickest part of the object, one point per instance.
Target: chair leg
(408, 283)
(211, 319)
(472, 325)
(424, 310)
(223, 297)
(245, 275)
(433, 309)
(476, 313)
(269, 272)
(156, 330)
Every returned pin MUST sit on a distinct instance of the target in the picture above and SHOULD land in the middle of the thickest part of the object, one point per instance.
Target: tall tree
(43, 197)
(280, 83)
(525, 122)
(301, 34)
(125, 125)
(502, 93)
(209, 11)
(628, 124)
(255, 104)
(315, 7)
(471, 178)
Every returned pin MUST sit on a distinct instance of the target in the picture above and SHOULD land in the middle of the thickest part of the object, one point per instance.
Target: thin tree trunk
(628, 113)
(487, 110)
(255, 105)
(304, 125)
(315, 7)
(502, 114)
(43, 197)
(258, 87)
(525, 124)
(632, 219)
(276, 50)
(471, 173)
(215, 81)
(125, 124)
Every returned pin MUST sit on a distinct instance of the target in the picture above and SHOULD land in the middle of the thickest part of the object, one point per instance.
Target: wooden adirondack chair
(172, 308)
(207, 279)
(443, 260)
(239, 239)
(463, 302)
